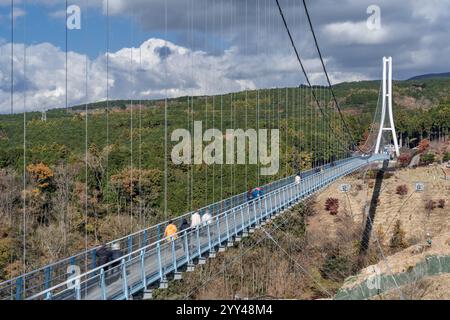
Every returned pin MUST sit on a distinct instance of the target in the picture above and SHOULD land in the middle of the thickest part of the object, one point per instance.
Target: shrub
(402, 190)
(398, 238)
(388, 175)
(404, 159)
(430, 205)
(309, 207)
(441, 203)
(428, 158)
(446, 157)
(336, 265)
(424, 145)
(332, 206)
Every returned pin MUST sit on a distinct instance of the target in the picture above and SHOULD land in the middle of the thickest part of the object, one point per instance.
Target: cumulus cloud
(346, 33)
(155, 69)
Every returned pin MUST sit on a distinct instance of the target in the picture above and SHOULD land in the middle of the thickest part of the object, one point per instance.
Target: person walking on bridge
(250, 194)
(103, 255)
(170, 232)
(196, 220)
(206, 218)
(184, 229)
(298, 179)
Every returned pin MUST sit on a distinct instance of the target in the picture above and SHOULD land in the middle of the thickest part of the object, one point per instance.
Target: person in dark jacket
(103, 255)
(250, 194)
(116, 253)
(184, 228)
(184, 225)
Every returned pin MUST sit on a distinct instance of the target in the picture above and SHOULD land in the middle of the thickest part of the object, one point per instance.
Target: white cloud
(165, 68)
(348, 32)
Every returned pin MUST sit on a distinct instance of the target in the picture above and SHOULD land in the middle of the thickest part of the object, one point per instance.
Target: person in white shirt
(206, 218)
(297, 179)
(196, 220)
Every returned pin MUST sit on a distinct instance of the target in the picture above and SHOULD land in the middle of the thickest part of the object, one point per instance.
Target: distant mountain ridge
(431, 75)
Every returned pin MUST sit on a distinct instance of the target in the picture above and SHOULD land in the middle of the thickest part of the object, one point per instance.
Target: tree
(404, 159)
(424, 144)
(398, 238)
(299, 160)
(42, 176)
(137, 186)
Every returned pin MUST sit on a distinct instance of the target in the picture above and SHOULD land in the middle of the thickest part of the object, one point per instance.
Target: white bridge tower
(387, 105)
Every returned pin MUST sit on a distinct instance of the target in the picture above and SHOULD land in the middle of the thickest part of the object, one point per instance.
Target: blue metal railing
(154, 261)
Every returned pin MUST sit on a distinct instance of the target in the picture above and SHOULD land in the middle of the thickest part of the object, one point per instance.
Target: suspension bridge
(150, 259)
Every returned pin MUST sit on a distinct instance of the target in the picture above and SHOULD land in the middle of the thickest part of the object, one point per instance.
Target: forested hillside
(92, 173)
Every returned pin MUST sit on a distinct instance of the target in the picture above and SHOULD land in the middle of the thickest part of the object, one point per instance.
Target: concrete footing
(148, 295)
(164, 284)
(190, 267)
(177, 276)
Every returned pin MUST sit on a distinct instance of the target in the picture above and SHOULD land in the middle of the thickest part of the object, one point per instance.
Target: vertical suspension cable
(165, 115)
(206, 101)
(12, 56)
(107, 104)
(192, 101)
(141, 222)
(246, 94)
(86, 142)
(65, 164)
(131, 123)
(221, 111)
(24, 217)
(287, 139)
(257, 93)
(214, 101)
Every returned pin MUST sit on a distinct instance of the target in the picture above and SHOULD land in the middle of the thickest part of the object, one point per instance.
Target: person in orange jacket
(170, 232)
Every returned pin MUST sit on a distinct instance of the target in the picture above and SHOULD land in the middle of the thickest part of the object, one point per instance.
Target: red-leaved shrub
(402, 190)
(332, 206)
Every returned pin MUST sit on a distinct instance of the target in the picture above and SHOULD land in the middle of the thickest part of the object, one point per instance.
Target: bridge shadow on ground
(365, 240)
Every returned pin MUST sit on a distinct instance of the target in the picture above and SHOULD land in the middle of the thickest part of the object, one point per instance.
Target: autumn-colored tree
(363, 145)
(138, 185)
(404, 159)
(424, 144)
(42, 175)
(299, 160)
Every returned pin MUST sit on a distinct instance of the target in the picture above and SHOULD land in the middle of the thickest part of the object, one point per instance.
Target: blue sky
(46, 23)
(211, 46)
